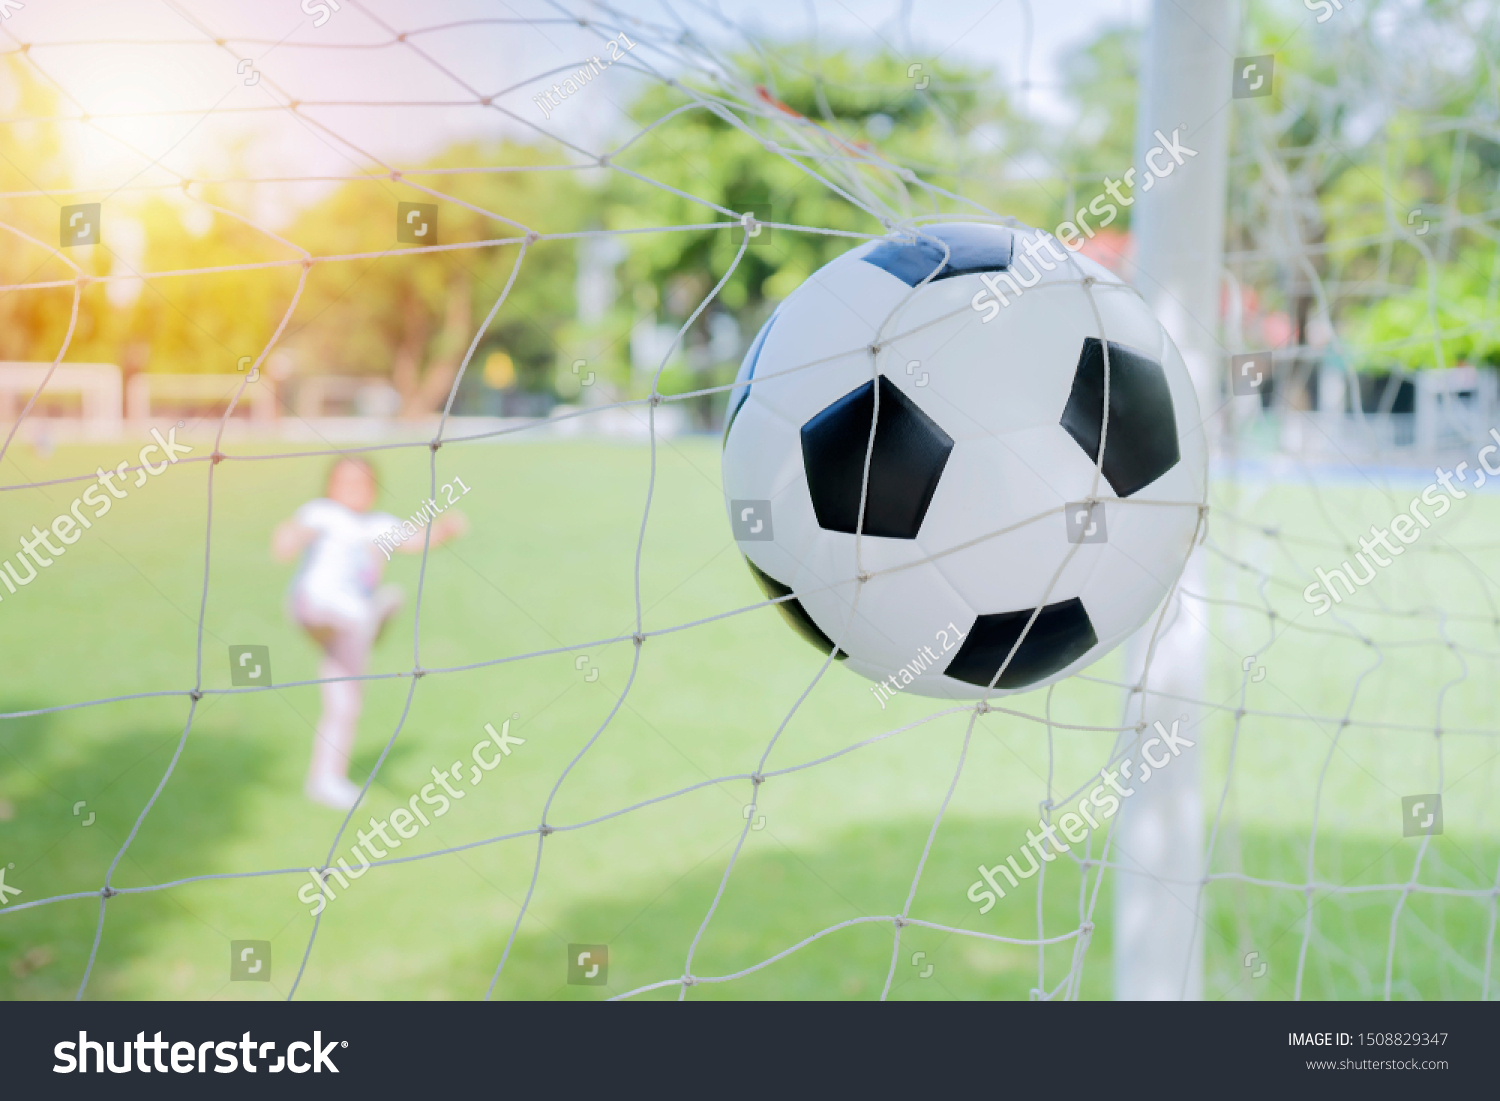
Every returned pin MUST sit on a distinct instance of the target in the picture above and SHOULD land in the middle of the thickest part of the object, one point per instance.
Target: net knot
(899, 921)
(751, 226)
(655, 399)
(638, 638)
(532, 236)
(876, 348)
(418, 673)
(108, 892)
(485, 101)
(603, 160)
(982, 707)
(757, 779)
(863, 576)
(395, 174)
(688, 980)
(1086, 929)
(195, 695)
(545, 829)
(217, 457)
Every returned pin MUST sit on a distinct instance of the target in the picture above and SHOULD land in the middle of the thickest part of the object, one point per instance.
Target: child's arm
(290, 539)
(450, 526)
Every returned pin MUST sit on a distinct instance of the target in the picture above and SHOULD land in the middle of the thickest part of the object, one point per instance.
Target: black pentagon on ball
(972, 247)
(1060, 636)
(905, 464)
(740, 392)
(793, 611)
(1141, 442)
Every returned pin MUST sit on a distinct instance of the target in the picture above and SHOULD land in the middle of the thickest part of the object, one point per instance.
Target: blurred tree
(1375, 128)
(865, 105)
(1099, 80)
(411, 318)
(33, 323)
(196, 324)
(1399, 329)
(178, 323)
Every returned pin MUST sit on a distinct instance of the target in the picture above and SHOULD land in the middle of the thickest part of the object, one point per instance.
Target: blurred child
(337, 598)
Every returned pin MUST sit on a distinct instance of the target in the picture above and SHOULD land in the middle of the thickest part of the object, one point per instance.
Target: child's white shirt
(341, 567)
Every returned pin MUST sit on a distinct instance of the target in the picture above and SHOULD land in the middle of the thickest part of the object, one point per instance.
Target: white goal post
(96, 384)
(1179, 228)
(145, 389)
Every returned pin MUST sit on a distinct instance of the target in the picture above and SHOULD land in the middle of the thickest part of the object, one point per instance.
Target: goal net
(651, 788)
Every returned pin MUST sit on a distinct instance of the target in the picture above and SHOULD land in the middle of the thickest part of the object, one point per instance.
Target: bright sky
(213, 109)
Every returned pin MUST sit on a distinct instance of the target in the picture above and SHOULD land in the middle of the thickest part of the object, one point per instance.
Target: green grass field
(548, 563)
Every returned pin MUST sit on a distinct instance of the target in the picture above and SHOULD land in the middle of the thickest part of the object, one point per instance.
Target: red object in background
(1113, 248)
(1273, 329)
(1276, 329)
(767, 97)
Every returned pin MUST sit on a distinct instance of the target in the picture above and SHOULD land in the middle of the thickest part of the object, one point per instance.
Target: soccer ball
(985, 499)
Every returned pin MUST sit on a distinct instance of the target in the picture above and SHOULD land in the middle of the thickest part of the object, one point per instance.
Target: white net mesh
(1316, 726)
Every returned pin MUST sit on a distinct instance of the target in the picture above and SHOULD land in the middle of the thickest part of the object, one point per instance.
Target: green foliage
(1369, 136)
(852, 99)
(391, 314)
(195, 324)
(33, 322)
(850, 107)
(409, 318)
(1462, 309)
(1100, 80)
